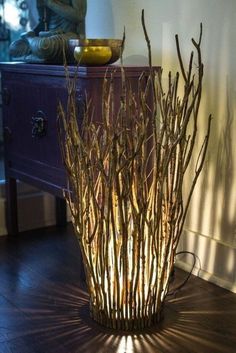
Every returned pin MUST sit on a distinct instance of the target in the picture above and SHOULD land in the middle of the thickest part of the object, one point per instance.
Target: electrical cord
(176, 289)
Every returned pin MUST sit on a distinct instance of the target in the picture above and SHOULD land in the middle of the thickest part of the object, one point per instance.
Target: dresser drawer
(30, 118)
(30, 125)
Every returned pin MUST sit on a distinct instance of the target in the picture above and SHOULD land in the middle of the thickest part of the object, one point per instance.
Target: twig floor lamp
(126, 176)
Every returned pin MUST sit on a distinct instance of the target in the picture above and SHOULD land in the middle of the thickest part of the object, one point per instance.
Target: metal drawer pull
(39, 124)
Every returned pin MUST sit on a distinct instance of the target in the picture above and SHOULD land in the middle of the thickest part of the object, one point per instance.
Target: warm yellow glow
(131, 277)
(126, 345)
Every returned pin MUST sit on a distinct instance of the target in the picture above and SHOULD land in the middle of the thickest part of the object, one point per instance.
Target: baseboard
(35, 210)
(215, 259)
(207, 276)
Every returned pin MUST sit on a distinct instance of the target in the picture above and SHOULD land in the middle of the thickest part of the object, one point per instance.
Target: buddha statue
(59, 21)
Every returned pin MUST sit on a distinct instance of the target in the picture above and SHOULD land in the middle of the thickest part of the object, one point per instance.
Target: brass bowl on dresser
(95, 51)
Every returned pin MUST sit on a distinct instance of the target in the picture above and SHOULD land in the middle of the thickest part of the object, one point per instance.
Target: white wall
(36, 209)
(210, 229)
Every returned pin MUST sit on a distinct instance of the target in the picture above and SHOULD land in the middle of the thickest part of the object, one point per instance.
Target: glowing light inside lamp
(128, 260)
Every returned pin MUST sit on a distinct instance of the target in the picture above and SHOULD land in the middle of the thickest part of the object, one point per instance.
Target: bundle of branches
(126, 175)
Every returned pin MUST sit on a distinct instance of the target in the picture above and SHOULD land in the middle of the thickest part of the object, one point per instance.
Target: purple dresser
(31, 94)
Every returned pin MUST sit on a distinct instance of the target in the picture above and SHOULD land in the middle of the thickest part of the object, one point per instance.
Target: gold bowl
(95, 51)
(92, 55)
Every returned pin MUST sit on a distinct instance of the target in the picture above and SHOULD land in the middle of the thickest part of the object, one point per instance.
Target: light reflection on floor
(184, 328)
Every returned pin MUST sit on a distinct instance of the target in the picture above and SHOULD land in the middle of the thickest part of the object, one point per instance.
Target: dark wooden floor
(44, 306)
